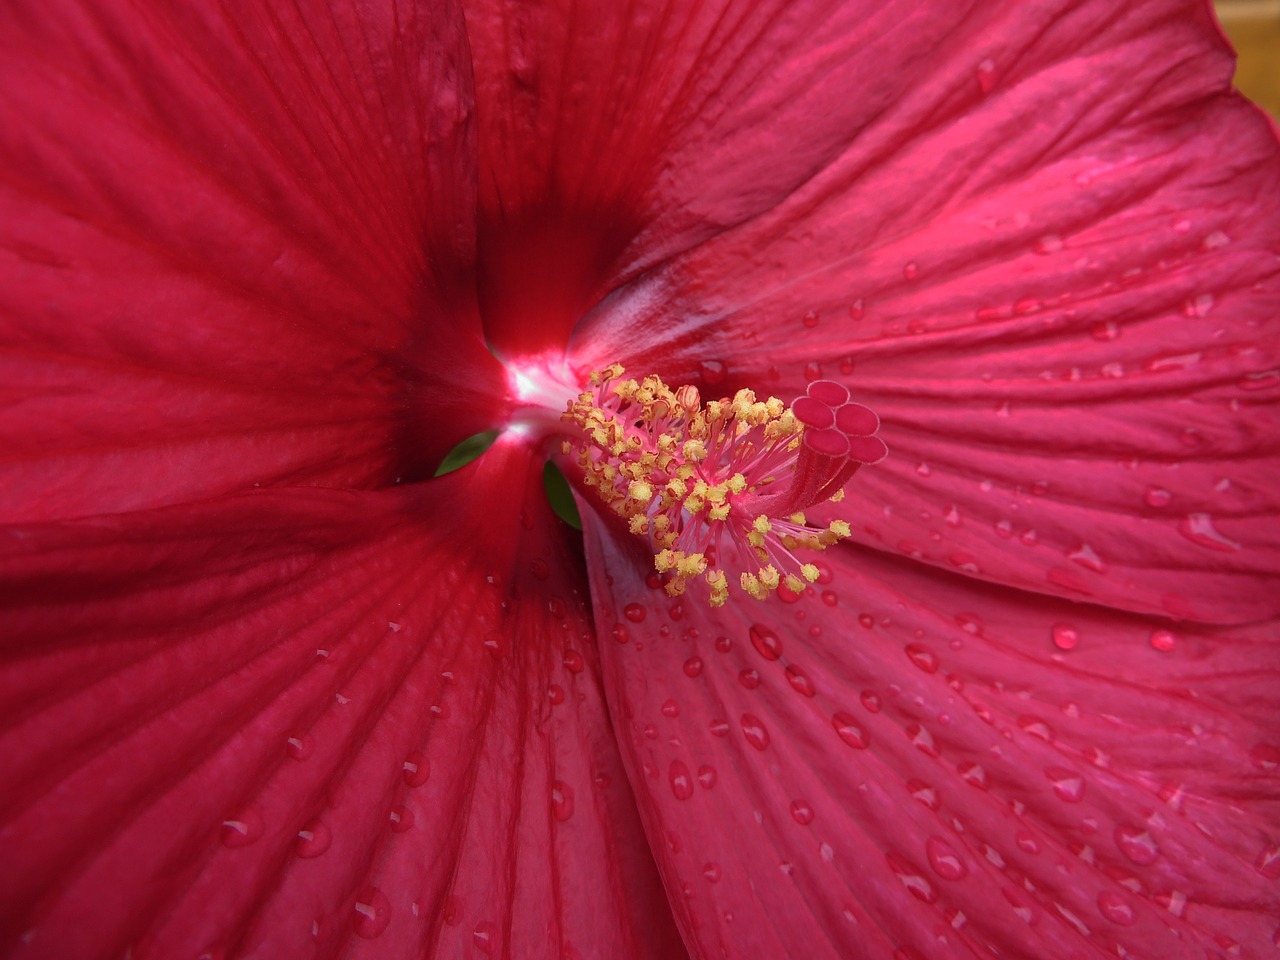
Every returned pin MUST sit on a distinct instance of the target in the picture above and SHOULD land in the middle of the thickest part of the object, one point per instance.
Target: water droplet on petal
(1199, 529)
(922, 657)
(1163, 640)
(712, 872)
(416, 769)
(944, 860)
(242, 829)
(801, 812)
(754, 730)
(917, 885)
(681, 780)
(634, 612)
(800, 681)
(707, 776)
(1068, 786)
(1116, 908)
(986, 74)
(1065, 636)
(1137, 844)
(922, 739)
(300, 747)
(713, 372)
(561, 800)
(925, 793)
(765, 641)
(849, 731)
(1267, 861)
(373, 913)
(1049, 243)
(485, 937)
(313, 840)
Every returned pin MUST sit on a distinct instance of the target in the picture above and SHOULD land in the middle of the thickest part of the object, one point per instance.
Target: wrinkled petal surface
(235, 248)
(1050, 260)
(312, 723)
(907, 764)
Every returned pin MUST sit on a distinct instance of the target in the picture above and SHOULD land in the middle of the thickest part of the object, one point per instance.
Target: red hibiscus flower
(272, 689)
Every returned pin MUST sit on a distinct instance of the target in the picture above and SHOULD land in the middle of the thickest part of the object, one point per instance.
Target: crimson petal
(235, 248)
(905, 761)
(312, 723)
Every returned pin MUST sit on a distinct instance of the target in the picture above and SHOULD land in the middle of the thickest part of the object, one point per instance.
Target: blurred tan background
(1254, 29)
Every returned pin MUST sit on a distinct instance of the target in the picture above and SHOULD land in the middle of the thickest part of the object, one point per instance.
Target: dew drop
(870, 701)
(634, 612)
(620, 633)
(1049, 243)
(707, 776)
(1265, 756)
(713, 372)
(922, 740)
(1199, 529)
(401, 818)
(1088, 558)
(749, 678)
(242, 829)
(485, 937)
(1267, 862)
(1163, 640)
(1116, 908)
(1026, 842)
(944, 860)
(973, 774)
(373, 913)
(1137, 844)
(810, 319)
(300, 747)
(924, 792)
(1068, 786)
(986, 75)
(693, 667)
(801, 812)
(911, 270)
(765, 641)
(670, 708)
(850, 732)
(800, 681)
(922, 657)
(681, 780)
(416, 769)
(1157, 497)
(561, 800)
(754, 731)
(916, 885)
(313, 840)
(712, 872)
(1064, 636)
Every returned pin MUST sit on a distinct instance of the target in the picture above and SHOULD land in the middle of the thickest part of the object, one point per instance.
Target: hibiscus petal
(311, 723)
(235, 241)
(903, 763)
(1051, 267)
(615, 135)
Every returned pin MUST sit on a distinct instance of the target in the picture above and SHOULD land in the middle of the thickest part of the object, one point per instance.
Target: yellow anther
(810, 572)
(639, 524)
(694, 450)
(720, 511)
(761, 524)
(737, 483)
(840, 528)
(640, 491)
(794, 583)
